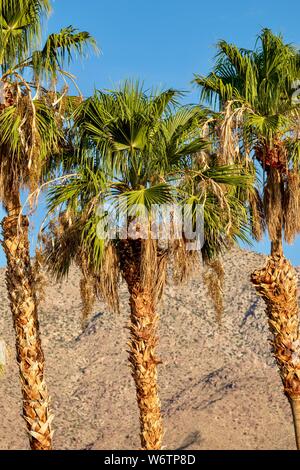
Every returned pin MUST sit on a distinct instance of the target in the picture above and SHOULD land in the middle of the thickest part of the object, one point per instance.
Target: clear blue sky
(163, 42)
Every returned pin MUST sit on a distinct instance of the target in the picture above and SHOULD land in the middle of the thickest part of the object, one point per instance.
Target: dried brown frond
(291, 206)
(148, 263)
(107, 281)
(257, 214)
(273, 202)
(201, 160)
(68, 104)
(229, 151)
(153, 268)
(61, 244)
(143, 263)
(30, 140)
(9, 182)
(186, 263)
(87, 293)
(87, 286)
(62, 103)
(30, 149)
(220, 192)
(213, 277)
(161, 277)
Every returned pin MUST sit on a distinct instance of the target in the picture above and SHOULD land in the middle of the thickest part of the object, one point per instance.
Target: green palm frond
(61, 246)
(262, 78)
(18, 126)
(268, 126)
(214, 88)
(232, 175)
(93, 245)
(60, 49)
(77, 192)
(20, 29)
(165, 101)
(145, 198)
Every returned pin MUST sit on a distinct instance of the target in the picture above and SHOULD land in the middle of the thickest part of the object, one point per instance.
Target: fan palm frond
(60, 49)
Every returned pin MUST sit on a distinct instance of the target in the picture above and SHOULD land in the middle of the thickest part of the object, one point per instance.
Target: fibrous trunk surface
(277, 284)
(30, 356)
(142, 347)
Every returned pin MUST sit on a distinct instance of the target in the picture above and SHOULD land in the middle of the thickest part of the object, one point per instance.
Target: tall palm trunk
(277, 244)
(277, 284)
(30, 358)
(142, 346)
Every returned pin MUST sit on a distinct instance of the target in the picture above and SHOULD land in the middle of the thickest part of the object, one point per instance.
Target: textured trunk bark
(30, 356)
(295, 404)
(277, 245)
(143, 341)
(277, 284)
(142, 347)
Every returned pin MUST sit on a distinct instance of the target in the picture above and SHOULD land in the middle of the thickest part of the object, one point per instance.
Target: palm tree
(253, 89)
(30, 132)
(138, 150)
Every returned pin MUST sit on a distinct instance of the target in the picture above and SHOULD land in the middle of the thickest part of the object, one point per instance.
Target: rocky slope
(219, 386)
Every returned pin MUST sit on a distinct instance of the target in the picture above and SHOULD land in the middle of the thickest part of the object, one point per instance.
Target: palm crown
(254, 89)
(31, 119)
(142, 150)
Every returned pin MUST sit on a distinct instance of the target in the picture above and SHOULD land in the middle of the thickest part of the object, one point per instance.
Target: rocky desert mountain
(219, 385)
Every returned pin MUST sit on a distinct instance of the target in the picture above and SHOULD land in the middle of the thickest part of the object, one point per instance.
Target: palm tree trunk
(142, 348)
(277, 245)
(143, 341)
(277, 284)
(30, 356)
(295, 404)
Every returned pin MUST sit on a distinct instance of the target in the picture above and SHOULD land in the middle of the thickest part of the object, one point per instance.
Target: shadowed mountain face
(219, 385)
